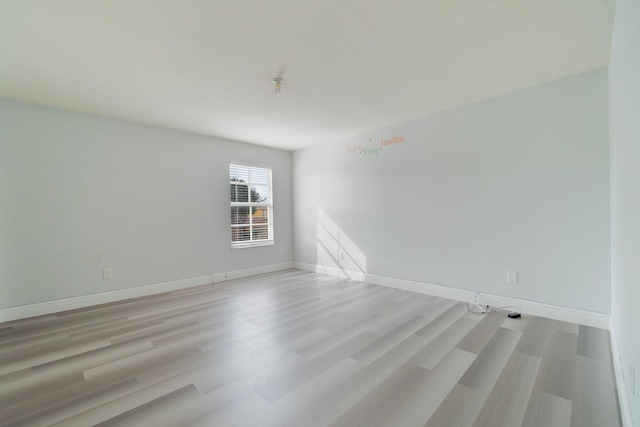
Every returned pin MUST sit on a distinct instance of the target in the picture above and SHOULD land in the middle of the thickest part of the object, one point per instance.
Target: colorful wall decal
(375, 150)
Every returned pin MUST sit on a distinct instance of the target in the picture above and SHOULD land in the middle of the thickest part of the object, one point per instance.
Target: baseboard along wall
(49, 307)
(620, 383)
(582, 317)
(598, 320)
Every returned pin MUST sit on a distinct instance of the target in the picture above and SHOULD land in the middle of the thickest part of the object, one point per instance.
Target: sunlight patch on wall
(336, 252)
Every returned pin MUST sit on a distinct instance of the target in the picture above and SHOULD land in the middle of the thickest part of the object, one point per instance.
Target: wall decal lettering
(394, 140)
(375, 150)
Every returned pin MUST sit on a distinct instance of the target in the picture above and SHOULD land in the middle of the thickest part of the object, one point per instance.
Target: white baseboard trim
(254, 271)
(621, 385)
(582, 317)
(56, 306)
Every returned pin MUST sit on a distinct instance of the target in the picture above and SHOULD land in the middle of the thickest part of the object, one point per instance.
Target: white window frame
(263, 181)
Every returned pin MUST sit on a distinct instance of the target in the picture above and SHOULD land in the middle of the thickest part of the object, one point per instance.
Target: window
(251, 206)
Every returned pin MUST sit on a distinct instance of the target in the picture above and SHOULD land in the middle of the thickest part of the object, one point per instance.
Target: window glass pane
(239, 193)
(260, 194)
(260, 232)
(239, 215)
(260, 215)
(239, 173)
(240, 234)
(260, 176)
(243, 193)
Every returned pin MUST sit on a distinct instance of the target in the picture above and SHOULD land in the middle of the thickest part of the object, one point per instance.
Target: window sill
(251, 244)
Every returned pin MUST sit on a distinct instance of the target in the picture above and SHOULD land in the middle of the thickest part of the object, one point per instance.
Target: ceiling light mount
(278, 82)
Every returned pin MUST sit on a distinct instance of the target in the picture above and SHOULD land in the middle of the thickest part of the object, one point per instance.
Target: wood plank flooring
(299, 349)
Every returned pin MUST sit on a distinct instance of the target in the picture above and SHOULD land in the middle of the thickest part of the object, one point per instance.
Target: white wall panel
(81, 193)
(516, 183)
(624, 102)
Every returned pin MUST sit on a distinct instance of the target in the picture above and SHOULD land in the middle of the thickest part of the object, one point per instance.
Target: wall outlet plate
(107, 273)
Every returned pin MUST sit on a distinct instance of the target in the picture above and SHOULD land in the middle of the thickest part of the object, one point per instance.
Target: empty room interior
(287, 213)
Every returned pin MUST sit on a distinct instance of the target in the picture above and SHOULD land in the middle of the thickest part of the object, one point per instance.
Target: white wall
(81, 193)
(624, 83)
(516, 183)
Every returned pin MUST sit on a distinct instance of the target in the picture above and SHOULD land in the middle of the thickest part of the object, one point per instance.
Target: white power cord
(478, 306)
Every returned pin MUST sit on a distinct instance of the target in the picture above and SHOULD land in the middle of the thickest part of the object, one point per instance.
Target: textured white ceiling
(206, 66)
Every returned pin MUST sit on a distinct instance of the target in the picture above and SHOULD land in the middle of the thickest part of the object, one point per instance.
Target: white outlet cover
(107, 273)
(512, 277)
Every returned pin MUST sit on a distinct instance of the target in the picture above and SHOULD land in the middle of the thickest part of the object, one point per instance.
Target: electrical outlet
(107, 273)
(512, 276)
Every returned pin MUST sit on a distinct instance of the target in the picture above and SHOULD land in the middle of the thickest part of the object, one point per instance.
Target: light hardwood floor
(299, 349)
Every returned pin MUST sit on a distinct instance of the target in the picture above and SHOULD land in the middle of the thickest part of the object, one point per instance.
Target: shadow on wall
(336, 252)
